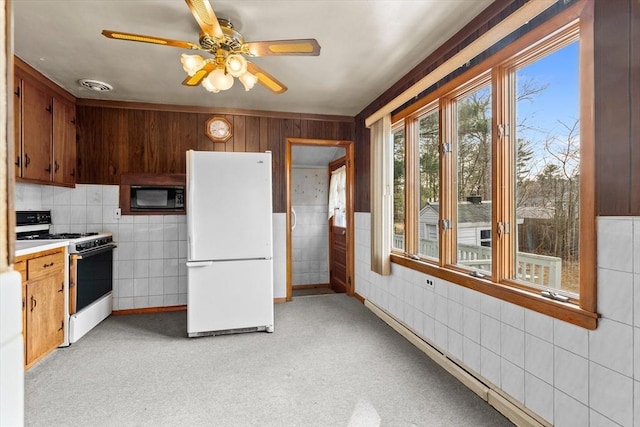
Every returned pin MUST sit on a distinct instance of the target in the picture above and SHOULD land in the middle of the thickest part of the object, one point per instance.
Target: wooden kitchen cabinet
(44, 130)
(43, 302)
(64, 142)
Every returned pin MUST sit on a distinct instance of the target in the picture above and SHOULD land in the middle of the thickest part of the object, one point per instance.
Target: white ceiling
(366, 47)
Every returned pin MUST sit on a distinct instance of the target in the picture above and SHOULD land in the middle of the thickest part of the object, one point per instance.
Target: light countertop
(30, 247)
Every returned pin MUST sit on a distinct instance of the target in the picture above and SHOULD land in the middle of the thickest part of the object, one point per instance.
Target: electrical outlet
(430, 283)
(117, 213)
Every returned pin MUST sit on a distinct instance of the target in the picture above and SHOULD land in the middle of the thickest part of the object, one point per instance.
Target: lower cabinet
(42, 302)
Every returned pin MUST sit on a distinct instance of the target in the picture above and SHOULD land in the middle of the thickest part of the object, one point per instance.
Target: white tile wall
(566, 374)
(310, 238)
(310, 245)
(150, 262)
(151, 248)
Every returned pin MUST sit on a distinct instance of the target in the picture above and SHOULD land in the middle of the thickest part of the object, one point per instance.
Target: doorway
(311, 247)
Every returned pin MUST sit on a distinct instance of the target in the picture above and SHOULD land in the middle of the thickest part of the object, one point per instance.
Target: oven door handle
(96, 251)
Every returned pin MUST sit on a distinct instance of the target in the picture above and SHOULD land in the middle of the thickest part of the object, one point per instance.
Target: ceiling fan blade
(266, 79)
(199, 75)
(148, 39)
(203, 12)
(283, 47)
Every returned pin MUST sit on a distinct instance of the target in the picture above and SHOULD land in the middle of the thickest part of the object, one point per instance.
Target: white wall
(566, 374)
(310, 238)
(149, 263)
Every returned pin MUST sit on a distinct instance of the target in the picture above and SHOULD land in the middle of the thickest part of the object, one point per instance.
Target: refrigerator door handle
(191, 264)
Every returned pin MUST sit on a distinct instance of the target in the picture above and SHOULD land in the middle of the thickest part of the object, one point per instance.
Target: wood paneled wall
(617, 106)
(617, 101)
(116, 138)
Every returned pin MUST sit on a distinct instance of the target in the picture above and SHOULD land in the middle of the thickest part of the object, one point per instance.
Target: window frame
(576, 19)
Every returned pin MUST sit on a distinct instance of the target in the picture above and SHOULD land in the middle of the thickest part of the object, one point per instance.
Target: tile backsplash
(149, 266)
(149, 263)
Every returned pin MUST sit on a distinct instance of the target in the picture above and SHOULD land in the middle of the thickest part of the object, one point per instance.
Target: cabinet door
(64, 142)
(17, 125)
(45, 316)
(37, 121)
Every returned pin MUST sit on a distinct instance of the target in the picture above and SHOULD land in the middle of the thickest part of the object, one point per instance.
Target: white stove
(89, 284)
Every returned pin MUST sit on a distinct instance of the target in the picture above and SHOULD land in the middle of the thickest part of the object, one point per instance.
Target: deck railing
(541, 270)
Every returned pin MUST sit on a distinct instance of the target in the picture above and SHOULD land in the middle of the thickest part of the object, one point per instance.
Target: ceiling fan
(220, 39)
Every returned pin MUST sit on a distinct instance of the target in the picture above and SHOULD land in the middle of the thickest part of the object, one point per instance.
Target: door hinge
(503, 130)
(446, 224)
(446, 147)
(504, 228)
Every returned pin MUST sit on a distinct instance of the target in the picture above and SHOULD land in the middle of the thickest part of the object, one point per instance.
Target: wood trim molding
(350, 160)
(149, 310)
(563, 311)
(127, 105)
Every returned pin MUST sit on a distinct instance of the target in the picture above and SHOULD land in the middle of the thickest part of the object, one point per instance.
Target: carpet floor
(330, 362)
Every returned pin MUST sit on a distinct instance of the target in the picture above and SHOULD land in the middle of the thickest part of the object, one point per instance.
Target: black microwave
(148, 198)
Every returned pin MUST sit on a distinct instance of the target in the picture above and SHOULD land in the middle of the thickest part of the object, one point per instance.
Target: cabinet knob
(61, 287)
(48, 169)
(27, 160)
(17, 160)
(49, 108)
(34, 302)
(56, 166)
(73, 172)
(47, 265)
(61, 326)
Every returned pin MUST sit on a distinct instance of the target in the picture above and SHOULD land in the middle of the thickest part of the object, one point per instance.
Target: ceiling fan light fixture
(219, 79)
(236, 65)
(248, 80)
(191, 63)
(206, 83)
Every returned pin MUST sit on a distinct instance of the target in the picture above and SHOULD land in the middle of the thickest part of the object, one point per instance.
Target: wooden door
(338, 259)
(37, 123)
(45, 317)
(64, 142)
(337, 245)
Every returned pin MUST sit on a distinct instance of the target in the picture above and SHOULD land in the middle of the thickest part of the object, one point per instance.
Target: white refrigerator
(229, 260)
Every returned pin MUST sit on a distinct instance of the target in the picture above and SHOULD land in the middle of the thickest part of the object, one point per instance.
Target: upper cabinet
(45, 130)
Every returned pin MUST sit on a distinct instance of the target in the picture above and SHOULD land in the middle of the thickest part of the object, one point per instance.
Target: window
(428, 157)
(398, 189)
(472, 148)
(488, 176)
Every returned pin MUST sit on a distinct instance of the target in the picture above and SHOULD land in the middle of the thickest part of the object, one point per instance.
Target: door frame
(349, 154)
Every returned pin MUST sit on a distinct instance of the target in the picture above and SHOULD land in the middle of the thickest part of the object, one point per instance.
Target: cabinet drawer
(45, 266)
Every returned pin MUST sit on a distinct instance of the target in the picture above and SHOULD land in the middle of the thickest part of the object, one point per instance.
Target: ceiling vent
(96, 85)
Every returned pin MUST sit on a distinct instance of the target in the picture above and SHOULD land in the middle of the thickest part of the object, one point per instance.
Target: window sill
(567, 312)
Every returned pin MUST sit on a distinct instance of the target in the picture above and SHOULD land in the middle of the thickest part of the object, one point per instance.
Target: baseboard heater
(511, 409)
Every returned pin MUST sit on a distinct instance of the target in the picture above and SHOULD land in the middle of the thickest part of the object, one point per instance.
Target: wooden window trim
(580, 312)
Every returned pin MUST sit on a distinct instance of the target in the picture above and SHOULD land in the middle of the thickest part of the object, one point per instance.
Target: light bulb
(191, 63)
(209, 86)
(248, 80)
(220, 80)
(236, 65)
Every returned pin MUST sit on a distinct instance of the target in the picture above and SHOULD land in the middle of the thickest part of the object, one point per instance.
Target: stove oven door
(90, 276)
